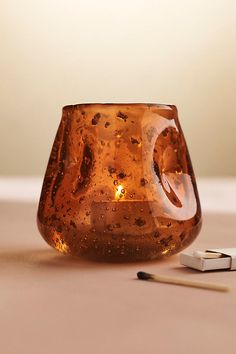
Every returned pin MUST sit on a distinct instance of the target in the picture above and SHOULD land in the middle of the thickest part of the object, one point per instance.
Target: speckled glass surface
(119, 185)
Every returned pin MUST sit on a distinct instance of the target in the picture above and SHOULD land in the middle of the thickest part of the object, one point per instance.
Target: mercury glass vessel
(119, 184)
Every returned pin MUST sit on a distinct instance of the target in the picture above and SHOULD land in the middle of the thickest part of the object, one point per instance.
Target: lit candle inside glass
(122, 214)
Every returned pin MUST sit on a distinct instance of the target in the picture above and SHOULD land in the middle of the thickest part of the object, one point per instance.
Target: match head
(144, 276)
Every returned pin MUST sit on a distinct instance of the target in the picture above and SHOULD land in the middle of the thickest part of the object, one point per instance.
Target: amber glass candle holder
(119, 185)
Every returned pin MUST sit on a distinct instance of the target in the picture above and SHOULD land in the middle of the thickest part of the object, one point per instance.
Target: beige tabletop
(51, 303)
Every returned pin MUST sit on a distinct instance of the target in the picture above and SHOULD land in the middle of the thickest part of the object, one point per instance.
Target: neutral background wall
(56, 52)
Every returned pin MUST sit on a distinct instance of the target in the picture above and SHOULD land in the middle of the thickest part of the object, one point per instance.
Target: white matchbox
(227, 260)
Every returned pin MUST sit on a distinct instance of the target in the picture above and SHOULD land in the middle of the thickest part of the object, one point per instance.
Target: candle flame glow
(120, 192)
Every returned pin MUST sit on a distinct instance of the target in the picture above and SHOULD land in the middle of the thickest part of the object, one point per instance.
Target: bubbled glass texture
(119, 184)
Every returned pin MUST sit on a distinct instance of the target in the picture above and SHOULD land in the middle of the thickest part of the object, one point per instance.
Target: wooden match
(183, 282)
